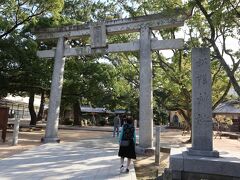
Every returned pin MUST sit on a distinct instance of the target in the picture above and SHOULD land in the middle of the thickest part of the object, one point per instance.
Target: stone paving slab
(94, 159)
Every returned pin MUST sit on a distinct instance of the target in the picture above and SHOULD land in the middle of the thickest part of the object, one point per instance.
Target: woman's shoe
(121, 168)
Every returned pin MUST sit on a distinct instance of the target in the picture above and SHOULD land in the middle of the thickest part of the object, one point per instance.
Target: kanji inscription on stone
(98, 35)
(201, 99)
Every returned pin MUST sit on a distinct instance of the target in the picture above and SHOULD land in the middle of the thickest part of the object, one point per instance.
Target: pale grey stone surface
(227, 165)
(154, 21)
(201, 100)
(115, 48)
(16, 129)
(55, 94)
(166, 44)
(94, 159)
(157, 145)
(176, 159)
(98, 35)
(202, 153)
(201, 103)
(146, 106)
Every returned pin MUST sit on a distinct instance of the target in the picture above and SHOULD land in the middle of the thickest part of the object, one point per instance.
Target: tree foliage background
(112, 80)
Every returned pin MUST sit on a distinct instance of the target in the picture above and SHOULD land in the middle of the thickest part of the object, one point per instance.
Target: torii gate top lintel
(126, 25)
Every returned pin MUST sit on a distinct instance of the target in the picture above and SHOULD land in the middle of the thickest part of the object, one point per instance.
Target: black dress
(128, 134)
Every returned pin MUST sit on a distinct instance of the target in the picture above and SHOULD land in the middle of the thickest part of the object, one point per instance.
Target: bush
(102, 122)
(68, 121)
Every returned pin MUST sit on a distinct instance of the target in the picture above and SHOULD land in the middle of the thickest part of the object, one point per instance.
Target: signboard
(98, 35)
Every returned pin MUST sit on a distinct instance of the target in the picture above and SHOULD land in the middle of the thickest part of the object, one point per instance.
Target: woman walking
(127, 142)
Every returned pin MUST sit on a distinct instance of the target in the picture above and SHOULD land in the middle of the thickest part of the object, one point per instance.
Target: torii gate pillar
(51, 134)
(146, 95)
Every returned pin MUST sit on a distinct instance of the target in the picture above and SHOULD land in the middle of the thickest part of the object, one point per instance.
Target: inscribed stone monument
(201, 104)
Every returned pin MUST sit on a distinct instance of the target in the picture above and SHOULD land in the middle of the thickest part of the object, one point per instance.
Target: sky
(233, 44)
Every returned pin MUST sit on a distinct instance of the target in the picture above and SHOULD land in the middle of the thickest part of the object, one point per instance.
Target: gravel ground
(31, 138)
(144, 166)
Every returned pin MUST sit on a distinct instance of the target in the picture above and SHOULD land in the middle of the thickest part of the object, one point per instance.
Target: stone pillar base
(185, 166)
(144, 151)
(50, 140)
(194, 152)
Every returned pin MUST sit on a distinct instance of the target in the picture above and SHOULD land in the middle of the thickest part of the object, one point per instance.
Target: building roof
(229, 107)
(18, 100)
(91, 109)
(120, 111)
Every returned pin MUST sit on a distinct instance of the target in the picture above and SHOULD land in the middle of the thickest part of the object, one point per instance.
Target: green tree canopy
(14, 14)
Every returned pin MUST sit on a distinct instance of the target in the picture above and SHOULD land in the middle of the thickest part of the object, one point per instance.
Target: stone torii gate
(98, 33)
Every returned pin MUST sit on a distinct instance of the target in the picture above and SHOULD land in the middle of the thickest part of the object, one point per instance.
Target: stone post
(146, 110)
(16, 129)
(51, 134)
(157, 147)
(135, 123)
(202, 124)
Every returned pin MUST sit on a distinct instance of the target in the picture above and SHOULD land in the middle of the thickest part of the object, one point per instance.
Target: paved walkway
(86, 159)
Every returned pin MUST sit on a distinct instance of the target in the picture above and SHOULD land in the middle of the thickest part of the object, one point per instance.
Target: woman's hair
(129, 120)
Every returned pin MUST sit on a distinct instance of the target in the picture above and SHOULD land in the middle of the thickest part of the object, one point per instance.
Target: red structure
(4, 121)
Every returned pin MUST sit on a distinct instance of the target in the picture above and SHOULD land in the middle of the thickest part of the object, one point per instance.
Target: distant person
(123, 120)
(106, 120)
(116, 124)
(175, 120)
(135, 123)
(127, 142)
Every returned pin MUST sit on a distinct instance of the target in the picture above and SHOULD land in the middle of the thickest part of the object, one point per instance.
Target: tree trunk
(76, 111)
(223, 96)
(187, 117)
(230, 73)
(212, 40)
(32, 112)
(189, 114)
(41, 108)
